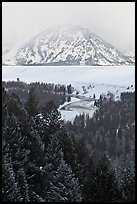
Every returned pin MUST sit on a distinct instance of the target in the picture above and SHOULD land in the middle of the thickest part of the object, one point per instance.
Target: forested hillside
(47, 160)
(45, 92)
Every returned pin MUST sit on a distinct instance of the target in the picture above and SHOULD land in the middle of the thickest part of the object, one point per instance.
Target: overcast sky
(112, 21)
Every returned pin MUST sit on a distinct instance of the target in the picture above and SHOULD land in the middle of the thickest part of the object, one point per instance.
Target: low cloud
(113, 21)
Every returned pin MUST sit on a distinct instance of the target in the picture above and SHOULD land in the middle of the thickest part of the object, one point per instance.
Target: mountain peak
(67, 44)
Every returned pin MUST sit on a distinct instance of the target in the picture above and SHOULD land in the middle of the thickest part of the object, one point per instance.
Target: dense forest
(45, 159)
(45, 92)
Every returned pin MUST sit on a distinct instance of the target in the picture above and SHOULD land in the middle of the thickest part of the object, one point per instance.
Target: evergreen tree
(52, 161)
(53, 153)
(36, 198)
(32, 103)
(105, 182)
(4, 105)
(10, 190)
(64, 187)
(23, 185)
(55, 171)
(67, 145)
(51, 121)
(36, 145)
(94, 96)
(69, 89)
(68, 98)
(82, 158)
(36, 159)
(51, 115)
(88, 183)
(128, 186)
(12, 135)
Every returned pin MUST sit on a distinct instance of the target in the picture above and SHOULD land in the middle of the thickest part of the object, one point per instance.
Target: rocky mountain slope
(69, 45)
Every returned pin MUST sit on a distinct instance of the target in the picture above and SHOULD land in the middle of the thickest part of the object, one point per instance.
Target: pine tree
(52, 161)
(56, 171)
(64, 187)
(51, 121)
(32, 104)
(94, 96)
(51, 115)
(36, 145)
(128, 186)
(10, 190)
(69, 89)
(23, 185)
(88, 183)
(67, 145)
(53, 153)
(105, 182)
(82, 158)
(68, 98)
(36, 198)
(36, 159)
(12, 135)
(4, 105)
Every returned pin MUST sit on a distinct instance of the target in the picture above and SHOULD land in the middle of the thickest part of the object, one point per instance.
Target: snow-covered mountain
(69, 45)
(5, 49)
(130, 52)
(9, 53)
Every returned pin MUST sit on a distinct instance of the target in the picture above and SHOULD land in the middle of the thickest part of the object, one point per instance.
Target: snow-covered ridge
(69, 45)
(130, 51)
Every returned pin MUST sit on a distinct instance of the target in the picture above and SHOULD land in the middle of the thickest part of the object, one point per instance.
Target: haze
(112, 21)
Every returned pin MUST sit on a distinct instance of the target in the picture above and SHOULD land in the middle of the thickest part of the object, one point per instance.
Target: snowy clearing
(86, 80)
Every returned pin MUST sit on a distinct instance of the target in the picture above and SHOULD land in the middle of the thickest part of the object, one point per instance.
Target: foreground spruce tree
(105, 185)
(10, 189)
(65, 187)
(128, 185)
(62, 186)
(23, 185)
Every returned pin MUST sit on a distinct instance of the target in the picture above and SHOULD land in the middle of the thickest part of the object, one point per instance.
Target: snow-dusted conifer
(10, 190)
(23, 185)
(64, 187)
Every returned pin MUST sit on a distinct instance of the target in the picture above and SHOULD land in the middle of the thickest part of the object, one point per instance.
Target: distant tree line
(45, 92)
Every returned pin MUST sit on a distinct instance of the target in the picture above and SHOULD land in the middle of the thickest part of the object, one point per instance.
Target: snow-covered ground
(76, 107)
(115, 75)
(86, 80)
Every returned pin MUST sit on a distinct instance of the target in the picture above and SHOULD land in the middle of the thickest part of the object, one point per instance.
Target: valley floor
(86, 80)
